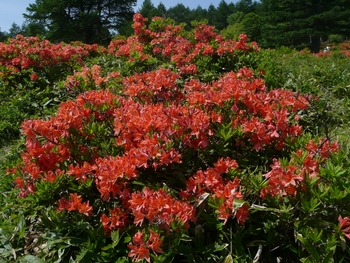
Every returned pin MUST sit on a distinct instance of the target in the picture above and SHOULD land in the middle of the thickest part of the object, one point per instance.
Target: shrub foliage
(169, 147)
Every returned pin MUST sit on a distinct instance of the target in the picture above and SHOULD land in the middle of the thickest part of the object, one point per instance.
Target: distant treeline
(271, 23)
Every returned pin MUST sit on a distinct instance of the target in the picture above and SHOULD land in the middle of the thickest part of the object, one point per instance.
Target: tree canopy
(3, 36)
(148, 10)
(271, 23)
(299, 22)
(89, 21)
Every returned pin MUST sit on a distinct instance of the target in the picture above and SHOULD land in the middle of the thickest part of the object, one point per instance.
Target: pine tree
(300, 23)
(83, 20)
(148, 10)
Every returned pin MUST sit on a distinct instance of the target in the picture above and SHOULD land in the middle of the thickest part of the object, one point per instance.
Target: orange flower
(75, 203)
(50, 177)
(139, 253)
(160, 208)
(19, 182)
(139, 250)
(282, 181)
(118, 219)
(154, 242)
(63, 204)
(344, 225)
(85, 209)
(34, 77)
(242, 214)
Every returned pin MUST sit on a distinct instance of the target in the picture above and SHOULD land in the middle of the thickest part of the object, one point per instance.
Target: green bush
(168, 148)
(324, 77)
(335, 38)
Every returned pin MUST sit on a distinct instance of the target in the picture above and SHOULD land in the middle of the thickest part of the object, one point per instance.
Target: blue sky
(12, 10)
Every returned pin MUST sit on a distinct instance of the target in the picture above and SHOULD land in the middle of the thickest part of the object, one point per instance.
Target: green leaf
(310, 205)
(228, 259)
(264, 208)
(127, 239)
(122, 260)
(184, 237)
(21, 226)
(238, 203)
(183, 250)
(115, 236)
(60, 252)
(343, 243)
(329, 257)
(215, 247)
(306, 260)
(82, 253)
(309, 247)
(31, 259)
(226, 132)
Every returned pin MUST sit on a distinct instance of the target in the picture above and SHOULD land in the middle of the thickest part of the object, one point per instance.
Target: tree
(235, 17)
(212, 15)
(148, 10)
(82, 20)
(3, 35)
(232, 31)
(34, 29)
(300, 23)
(180, 14)
(199, 14)
(252, 24)
(222, 13)
(162, 9)
(235, 25)
(15, 30)
(245, 6)
(126, 29)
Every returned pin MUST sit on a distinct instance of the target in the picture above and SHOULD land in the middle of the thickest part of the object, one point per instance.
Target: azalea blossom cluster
(140, 249)
(211, 182)
(345, 48)
(22, 53)
(75, 203)
(288, 180)
(167, 43)
(344, 225)
(150, 134)
(158, 121)
(90, 79)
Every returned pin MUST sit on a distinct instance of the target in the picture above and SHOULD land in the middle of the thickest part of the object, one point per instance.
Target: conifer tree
(82, 20)
(300, 23)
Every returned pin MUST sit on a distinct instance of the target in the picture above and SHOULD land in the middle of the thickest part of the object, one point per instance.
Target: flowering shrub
(174, 167)
(39, 55)
(30, 69)
(200, 53)
(50, 54)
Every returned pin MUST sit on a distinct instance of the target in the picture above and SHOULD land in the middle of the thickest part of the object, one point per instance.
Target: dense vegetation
(173, 146)
(271, 23)
(79, 20)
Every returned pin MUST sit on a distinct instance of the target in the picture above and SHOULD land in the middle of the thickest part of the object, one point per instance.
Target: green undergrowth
(303, 223)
